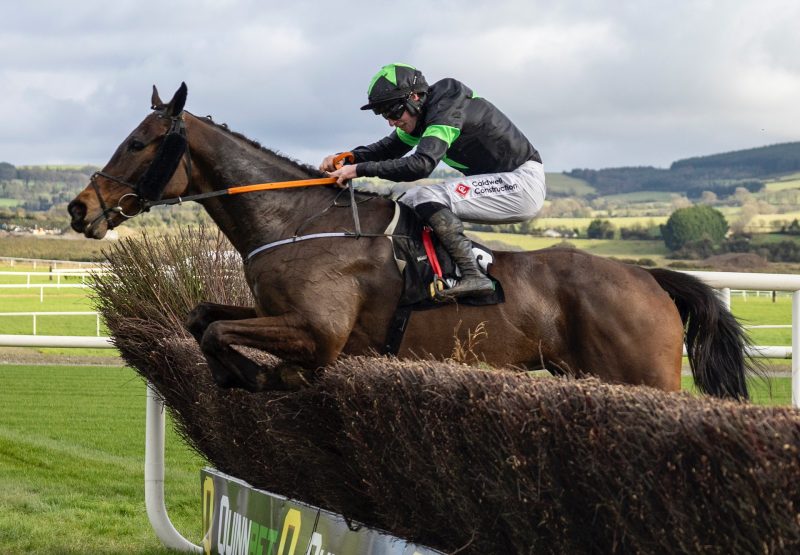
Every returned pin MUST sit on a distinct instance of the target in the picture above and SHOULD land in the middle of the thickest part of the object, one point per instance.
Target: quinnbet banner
(241, 520)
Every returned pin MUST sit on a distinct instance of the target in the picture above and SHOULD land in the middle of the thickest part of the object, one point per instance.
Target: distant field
(786, 182)
(55, 167)
(583, 223)
(774, 219)
(9, 202)
(782, 185)
(566, 185)
(51, 248)
(641, 196)
(620, 249)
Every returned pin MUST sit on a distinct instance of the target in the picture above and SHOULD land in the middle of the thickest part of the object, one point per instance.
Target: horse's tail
(715, 341)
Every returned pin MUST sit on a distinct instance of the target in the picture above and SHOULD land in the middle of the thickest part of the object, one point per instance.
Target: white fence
(726, 281)
(53, 275)
(37, 315)
(44, 263)
(57, 274)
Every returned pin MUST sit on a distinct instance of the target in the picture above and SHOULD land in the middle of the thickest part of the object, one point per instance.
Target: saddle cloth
(418, 273)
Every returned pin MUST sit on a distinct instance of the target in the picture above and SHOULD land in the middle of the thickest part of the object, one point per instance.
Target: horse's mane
(297, 164)
(300, 165)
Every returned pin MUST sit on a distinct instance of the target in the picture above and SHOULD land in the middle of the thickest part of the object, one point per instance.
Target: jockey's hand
(327, 164)
(343, 174)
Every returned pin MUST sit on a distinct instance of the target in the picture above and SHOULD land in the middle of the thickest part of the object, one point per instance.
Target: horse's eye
(135, 145)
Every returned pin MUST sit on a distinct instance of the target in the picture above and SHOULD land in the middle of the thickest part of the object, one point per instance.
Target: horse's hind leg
(204, 314)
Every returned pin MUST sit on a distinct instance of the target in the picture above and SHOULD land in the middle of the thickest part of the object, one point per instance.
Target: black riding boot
(450, 231)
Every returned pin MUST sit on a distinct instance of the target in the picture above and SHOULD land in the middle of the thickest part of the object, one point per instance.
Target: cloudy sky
(593, 84)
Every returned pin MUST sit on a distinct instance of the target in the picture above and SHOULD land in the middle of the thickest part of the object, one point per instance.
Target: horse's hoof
(293, 377)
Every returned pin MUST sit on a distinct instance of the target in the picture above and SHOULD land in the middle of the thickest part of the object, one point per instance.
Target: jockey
(447, 122)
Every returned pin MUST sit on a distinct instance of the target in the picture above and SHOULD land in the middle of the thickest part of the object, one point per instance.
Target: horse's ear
(175, 105)
(155, 101)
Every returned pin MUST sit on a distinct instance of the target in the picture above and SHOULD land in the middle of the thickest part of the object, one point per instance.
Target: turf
(72, 459)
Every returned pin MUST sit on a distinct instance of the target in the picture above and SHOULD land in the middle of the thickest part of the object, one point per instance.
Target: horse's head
(142, 169)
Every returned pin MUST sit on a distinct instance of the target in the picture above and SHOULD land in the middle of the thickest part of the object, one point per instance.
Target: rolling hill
(720, 173)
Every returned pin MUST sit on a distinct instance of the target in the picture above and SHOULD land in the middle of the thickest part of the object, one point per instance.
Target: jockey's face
(406, 122)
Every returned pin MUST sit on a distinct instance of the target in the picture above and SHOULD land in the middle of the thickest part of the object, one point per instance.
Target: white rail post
(154, 477)
(796, 349)
(34, 324)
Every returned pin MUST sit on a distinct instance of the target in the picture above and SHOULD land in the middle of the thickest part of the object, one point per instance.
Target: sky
(593, 84)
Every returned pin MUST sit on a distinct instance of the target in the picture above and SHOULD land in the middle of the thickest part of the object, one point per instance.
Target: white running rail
(725, 281)
(36, 315)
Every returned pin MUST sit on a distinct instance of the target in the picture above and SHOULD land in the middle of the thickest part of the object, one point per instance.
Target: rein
(154, 183)
(242, 189)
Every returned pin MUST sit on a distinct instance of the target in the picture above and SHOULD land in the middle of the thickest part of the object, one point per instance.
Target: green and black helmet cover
(394, 82)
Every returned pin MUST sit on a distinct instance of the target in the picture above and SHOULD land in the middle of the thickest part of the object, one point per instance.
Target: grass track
(72, 459)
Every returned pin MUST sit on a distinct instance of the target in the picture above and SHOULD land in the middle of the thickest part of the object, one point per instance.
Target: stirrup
(436, 287)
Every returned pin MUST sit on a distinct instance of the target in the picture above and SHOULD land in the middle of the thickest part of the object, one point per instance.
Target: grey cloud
(593, 84)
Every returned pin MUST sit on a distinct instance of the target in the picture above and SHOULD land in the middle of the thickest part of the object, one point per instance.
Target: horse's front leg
(205, 314)
(302, 346)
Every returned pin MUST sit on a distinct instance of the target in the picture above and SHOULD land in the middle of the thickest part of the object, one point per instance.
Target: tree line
(721, 174)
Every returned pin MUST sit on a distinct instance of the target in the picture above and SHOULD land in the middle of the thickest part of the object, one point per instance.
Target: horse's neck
(222, 160)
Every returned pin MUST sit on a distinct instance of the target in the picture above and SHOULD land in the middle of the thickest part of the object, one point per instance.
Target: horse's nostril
(77, 210)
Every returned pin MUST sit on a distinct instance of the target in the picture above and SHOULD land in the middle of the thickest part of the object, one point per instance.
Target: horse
(565, 311)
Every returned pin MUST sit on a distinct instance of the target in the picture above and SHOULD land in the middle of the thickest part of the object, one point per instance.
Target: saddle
(427, 267)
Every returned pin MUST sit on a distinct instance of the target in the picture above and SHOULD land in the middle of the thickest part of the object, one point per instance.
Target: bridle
(174, 147)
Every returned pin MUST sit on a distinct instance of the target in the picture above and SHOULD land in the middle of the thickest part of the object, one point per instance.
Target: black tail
(715, 341)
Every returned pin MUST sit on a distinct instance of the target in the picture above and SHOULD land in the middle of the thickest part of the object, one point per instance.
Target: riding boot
(450, 231)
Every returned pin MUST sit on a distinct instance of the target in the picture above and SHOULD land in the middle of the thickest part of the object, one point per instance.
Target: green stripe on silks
(446, 133)
(454, 164)
(407, 138)
(443, 133)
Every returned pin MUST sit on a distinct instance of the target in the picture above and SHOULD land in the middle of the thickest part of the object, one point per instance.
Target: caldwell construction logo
(462, 190)
(493, 187)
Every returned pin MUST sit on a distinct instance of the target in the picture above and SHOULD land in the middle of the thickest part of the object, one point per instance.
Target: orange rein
(338, 162)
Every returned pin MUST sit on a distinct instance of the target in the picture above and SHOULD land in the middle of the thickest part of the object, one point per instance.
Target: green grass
(564, 184)
(762, 311)
(775, 392)
(640, 196)
(602, 247)
(583, 223)
(52, 248)
(9, 202)
(71, 463)
(54, 300)
(785, 182)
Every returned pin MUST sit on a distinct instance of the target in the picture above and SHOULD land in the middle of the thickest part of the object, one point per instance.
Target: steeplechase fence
(237, 517)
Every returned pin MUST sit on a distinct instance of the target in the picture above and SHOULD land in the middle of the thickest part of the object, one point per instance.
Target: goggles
(391, 111)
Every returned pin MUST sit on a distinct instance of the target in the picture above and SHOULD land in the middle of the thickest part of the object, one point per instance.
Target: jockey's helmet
(393, 85)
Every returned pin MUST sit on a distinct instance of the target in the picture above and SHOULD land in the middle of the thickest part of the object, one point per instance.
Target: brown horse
(565, 310)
